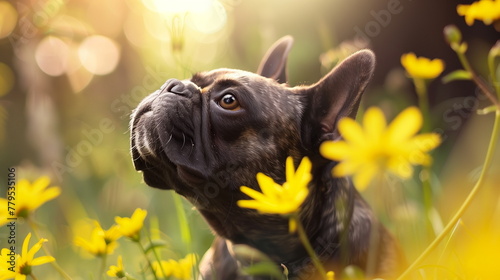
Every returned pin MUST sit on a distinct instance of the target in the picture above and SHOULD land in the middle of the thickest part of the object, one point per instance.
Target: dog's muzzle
(162, 129)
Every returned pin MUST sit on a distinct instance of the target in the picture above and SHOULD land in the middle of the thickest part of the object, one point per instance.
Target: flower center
(120, 274)
(23, 213)
(25, 269)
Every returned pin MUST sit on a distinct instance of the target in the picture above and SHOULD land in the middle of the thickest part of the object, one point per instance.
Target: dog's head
(207, 136)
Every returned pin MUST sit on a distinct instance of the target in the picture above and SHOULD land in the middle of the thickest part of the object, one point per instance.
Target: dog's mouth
(154, 162)
(162, 142)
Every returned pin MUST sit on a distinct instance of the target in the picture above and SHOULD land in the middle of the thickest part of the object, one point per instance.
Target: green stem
(491, 68)
(149, 262)
(425, 177)
(464, 61)
(479, 82)
(423, 102)
(479, 184)
(33, 276)
(307, 245)
(103, 265)
(54, 264)
(157, 257)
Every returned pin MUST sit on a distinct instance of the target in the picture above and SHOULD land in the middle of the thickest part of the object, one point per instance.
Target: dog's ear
(335, 96)
(273, 65)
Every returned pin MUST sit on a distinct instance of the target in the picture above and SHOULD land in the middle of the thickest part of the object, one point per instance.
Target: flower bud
(452, 34)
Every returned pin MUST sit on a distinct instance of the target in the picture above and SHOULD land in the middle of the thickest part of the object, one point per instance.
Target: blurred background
(71, 72)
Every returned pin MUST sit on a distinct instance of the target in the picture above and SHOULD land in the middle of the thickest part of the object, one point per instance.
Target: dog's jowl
(207, 136)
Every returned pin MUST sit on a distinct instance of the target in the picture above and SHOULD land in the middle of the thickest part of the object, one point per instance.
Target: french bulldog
(207, 136)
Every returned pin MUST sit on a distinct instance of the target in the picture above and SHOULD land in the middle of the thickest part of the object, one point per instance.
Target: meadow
(72, 205)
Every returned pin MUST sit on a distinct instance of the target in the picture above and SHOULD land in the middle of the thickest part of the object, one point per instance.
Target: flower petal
(45, 196)
(251, 204)
(42, 260)
(374, 124)
(345, 168)
(304, 169)
(20, 277)
(405, 125)
(351, 131)
(426, 142)
(301, 179)
(364, 176)
(292, 225)
(263, 207)
(289, 169)
(421, 67)
(400, 166)
(252, 193)
(35, 249)
(268, 186)
(40, 184)
(408, 61)
(338, 150)
(26, 243)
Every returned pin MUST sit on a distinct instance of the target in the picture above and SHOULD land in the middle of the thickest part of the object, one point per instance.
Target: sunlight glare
(178, 6)
(211, 20)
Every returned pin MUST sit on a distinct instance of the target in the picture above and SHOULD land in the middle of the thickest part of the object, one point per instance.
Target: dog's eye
(229, 102)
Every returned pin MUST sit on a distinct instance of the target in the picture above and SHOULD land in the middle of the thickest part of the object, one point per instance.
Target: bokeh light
(79, 77)
(99, 55)
(178, 6)
(8, 19)
(52, 55)
(210, 20)
(6, 79)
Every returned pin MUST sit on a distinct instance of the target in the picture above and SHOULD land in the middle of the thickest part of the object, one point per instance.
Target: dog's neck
(326, 216)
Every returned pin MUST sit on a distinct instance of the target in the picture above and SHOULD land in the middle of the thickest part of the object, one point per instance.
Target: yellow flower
(181, 269)
(276, 199)
(117, 270)
(330, 275)
(24, 262)
(101, 242)
(28, 197)
(130, 227)
(421, 67)
(486, 10)
(376, 147)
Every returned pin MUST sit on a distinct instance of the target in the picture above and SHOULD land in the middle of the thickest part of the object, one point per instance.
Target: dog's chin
(190, 176)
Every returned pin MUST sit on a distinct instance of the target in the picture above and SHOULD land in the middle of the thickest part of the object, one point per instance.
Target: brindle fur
(183, 140)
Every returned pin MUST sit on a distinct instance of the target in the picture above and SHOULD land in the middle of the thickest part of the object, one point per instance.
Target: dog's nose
(182, 88)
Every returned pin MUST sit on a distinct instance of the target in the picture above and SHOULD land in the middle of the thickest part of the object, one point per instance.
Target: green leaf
(247, 254)
(487, 110)
(155, 244)
(183, 222)
(257, 263)
(264, 268)
(457, 75)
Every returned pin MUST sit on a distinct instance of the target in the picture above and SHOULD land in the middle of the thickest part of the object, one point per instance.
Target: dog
(207, 136)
